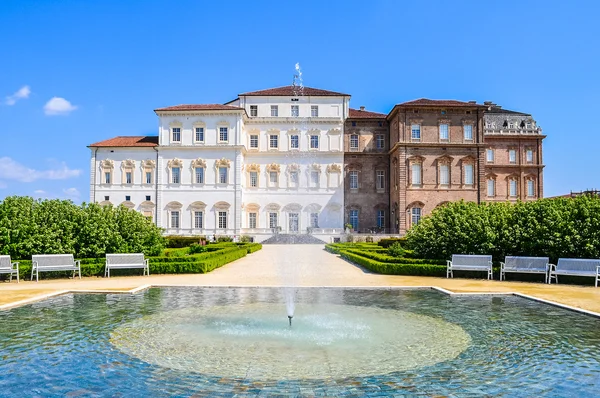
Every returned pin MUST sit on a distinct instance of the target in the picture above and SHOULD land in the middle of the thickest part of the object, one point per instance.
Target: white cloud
(13, 170)
(58, 106)
(22, 93)
(71, 193)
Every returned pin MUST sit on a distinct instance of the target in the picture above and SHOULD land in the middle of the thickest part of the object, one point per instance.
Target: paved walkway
(302, 265)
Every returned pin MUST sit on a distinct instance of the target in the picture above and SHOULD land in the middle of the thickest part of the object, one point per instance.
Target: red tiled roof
(291, 91)
(199, 107)
(430, 102)
(360, 114)
(128, 141)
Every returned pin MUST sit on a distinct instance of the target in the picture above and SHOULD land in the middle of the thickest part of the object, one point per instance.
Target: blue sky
(77, 72)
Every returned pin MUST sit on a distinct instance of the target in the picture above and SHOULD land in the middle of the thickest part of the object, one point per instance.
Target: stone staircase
(290, 239)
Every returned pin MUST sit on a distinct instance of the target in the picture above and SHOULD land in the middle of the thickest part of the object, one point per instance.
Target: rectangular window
(253, 110)
(253, 179)
(148, 177)
(294, 141)
(272, 220)
(415, 131)
(380, 218)
(295, 110)
(198, 219)
(273, 141)
(530, 188)
(444, 132)
(222, 220)
(199, 172)
(444, 175)
(176, 175)
(294, 178)
(251, 220)
(314, 220)
(314, 142)
(314, 178)
(107, 177)
(107, 198)
(274, 111)
(468, 130)
(354, 219)
(314, 111)
(512, 156)
(380, 141)
(127, 198)
(529, 156)
(489, 155)
(148, 198)
(223, 134)
(254, 141)
(512, 188)
(491, 188)
(273, 176)
(175, 219)
(199, 136)
(415, 215)
(176, 134)
(380, 180)
(416, 174)
(128, 177)
(354, 142)
(354, 180)
(468, 174)
(222, 175)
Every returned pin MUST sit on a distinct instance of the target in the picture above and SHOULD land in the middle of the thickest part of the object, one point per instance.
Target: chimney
(362, 108)
(472, 102)
(487, 103)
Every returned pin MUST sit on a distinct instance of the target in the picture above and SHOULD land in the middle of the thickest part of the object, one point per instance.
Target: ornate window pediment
(445, 159)
(273, 167)
(129, 204)
(468, 159)
(315, 167)
(314, 207)
(416, 159)
(252, 207)
(147, 205)
(334, 131)
(128, 164)
(414, 204)
(222, 205)
(175, 163)
(107, 164)
(198, 163)
(273, 206)
(294, 167)
(334, 168)
(252, 167)
(148, 164)
(198, 205)
(222, 163)
(173, 205)
(292, 207)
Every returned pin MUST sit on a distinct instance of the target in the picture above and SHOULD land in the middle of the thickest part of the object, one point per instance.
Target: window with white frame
(294, 180)
(380, 218)
(176, 134)
(128, 177)
(295, 110)
(527, 125)
(253, 110)
(380, 141)
(512, 156)
(223, 134)
(107, 177)
(415, 131)
(468, 132)
(199, 219)
(176, 175)
(273, 178)
(415, 215)
(444, 174)
(175, 218)
(354, 142)
(416, 174)
(530, 188)
(274, 110)
(512, 188)
(314, 220)
(468, 177)
(294, 141)
(489, 155)
(222, 216)
(354, 219)
(314, 111)
(511, 125)
(491, 187)
(199, 175)
(380, 180)
(253, 179)
(223, 172)
(353, 179)
(314, 178)
(529, 155)
(199, 134)
(254, 141)
(273, 141)
(148, 177)
(148, 171)
(314, 142)
(273, 220)
(443, 132)
(252, 220)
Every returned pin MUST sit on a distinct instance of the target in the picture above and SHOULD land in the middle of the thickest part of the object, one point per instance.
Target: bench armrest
(78, 263)
(448, 263)
(147, 262)
(491, 264)
(502, 265)
(16, 265)
(552, 267)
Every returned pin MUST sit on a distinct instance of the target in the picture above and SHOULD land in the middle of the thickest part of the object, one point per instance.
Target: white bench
(575, 267)
(123, 261)
(526, 265)
(54, 262)
(8, 267)
(469, 262)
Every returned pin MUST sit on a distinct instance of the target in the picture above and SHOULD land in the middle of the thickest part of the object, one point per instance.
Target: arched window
(415, 212)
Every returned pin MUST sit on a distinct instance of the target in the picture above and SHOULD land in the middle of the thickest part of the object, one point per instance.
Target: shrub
(222, 239)
(195, 248)
(387, 242)
(246, 239)
(174, 241)
(396, 250)
(395, 268)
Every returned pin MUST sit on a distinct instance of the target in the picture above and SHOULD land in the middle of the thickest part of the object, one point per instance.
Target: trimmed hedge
(384, 258)
(385, 243)
(394, 268)
(177, 242)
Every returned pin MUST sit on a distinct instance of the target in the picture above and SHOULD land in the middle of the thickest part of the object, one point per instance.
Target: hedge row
(384, 258)
(394, 268)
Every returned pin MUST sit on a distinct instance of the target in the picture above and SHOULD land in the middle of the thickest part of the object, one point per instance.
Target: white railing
(507, 131)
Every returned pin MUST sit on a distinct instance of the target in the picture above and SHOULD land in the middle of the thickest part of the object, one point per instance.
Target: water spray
(290, 319)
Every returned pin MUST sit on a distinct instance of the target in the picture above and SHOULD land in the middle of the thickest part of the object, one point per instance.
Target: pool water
(352, 342)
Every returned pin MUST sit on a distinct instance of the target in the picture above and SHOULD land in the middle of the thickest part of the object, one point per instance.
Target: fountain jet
(290, 319)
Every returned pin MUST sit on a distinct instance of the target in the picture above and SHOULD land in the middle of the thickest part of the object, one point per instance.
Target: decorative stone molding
(293, 167)
(252, 207)
(292, 207)
(128, 164)
(198, 205)
(148, 164)
(173, 206)
(313, 207)
(273, 206)
(198, 163)
(222, 205)
(174, 163)
(147, 205)
(414, 204)
(334, 168)
(129, 204)
(252, 167)
(107, 164)
(315, 167)
(222, 163)
(273, 167)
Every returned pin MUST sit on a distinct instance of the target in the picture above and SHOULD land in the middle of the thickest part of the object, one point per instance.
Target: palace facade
(300, 160)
